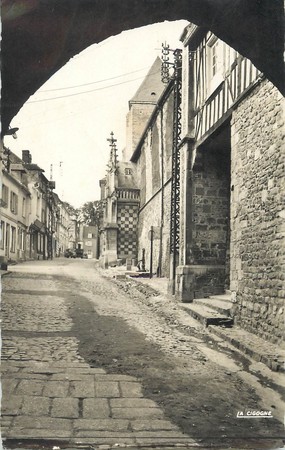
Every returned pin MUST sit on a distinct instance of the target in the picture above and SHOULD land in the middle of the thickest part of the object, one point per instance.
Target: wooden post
(151, 252)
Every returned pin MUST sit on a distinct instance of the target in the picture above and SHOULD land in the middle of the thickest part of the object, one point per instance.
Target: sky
(67, 122)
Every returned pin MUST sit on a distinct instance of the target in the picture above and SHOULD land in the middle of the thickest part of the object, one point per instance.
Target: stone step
(137, 274)
(223, 297)
(217, 303)
(255, 346)
(206, 315)
(131, 274)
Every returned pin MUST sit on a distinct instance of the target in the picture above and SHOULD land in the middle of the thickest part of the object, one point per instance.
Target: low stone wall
(199, 281)
(257, 212)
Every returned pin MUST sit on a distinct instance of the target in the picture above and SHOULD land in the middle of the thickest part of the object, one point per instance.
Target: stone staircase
(213, 310)
(215, 313)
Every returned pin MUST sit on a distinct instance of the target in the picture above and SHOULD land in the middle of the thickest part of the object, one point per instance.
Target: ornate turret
(113, 161)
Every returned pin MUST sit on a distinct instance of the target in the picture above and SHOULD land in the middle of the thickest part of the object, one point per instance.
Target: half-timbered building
(231, 183)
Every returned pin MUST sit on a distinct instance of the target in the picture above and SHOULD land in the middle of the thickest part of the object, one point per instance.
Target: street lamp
(12, 132)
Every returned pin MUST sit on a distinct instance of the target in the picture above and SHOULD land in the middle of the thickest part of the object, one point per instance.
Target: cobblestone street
(84, 364)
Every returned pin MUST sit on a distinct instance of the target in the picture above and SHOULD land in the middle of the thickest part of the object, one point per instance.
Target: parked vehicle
(70, 253)
(79, 253)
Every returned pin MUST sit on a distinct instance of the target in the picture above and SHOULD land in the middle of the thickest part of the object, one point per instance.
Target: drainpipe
(151, 251)
(162, 194)
(46, 225)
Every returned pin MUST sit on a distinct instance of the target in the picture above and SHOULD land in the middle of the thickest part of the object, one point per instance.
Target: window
(213, 56)
(21, 239)
(43, 217)
(2, 234)
(128, 171)
(38, 206)
(24, 207)
(13, 239)
(215, 63)
(39, 243)
(214, 59)
(5, 196)
(14, 202)
(89, 235)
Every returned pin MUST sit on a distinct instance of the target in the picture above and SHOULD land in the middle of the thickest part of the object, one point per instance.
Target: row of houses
(199, 193)
(35, 223)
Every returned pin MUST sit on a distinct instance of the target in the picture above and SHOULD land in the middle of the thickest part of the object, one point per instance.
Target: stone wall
(153, 173)
(155, 159)
(150, 216)
(136, 121)
(257, 212)
(211, 202)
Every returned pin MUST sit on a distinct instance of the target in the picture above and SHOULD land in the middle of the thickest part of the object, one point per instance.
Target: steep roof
(14, 158)
(151, 87)
(31, 166)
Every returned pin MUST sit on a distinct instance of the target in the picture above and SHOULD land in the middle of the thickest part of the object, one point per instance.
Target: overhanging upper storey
(217, 77)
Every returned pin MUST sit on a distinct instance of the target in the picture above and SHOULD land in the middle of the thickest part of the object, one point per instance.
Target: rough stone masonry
(257, 212)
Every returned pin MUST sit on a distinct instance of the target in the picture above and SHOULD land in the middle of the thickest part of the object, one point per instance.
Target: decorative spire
(113, 161)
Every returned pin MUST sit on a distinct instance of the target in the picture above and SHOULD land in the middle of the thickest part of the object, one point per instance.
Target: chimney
(102, 184)
(26, 156)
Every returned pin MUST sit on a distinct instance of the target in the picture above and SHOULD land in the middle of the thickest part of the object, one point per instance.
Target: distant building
(90, 241)
(34, 221)
(42, 224)
(141, 107)
(120, 197)
(64, 226)
(15, 212)
(120, 189)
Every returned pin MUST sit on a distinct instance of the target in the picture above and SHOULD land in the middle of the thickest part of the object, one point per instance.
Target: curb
(7, 272)
(276, 364)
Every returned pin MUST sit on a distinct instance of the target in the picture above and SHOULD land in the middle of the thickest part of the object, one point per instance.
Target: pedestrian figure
(141, 263)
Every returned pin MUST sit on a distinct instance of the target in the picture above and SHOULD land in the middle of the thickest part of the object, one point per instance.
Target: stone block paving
(51, 349)
(49, 393)
(23, 281)
(78, 404)
(36, 312)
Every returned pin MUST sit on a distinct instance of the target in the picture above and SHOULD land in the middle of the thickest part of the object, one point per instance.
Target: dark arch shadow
(40, 36)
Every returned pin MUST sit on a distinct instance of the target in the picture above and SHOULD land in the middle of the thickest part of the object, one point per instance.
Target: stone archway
(40, 36)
